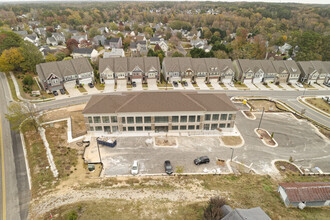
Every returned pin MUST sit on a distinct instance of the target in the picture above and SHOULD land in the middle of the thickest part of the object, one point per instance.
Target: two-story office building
(159, 112)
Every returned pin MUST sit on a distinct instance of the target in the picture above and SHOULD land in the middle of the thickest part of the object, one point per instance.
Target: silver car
(135, 168)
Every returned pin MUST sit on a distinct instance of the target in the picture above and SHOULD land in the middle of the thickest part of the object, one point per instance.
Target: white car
(299, 85)
(135, 168)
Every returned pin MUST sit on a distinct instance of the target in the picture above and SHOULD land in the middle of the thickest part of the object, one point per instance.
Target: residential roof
(155, 39)
(158, 102)
(114, 40)
(32, 37)
(247, 214)
(292, 67)
(280, 66)
(318, 65)
(247, 65)
(306, 67)
(63, 68)
(307, 191)
(83, 50)
(127, 64)
(51, 39)
(267, 66)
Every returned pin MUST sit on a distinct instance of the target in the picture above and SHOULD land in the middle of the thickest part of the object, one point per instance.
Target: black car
(168, 167)
(184, 83)
(134, 84)
(91, 85)
(62, 91)
(175, 83)
(55, 93)
(201, 160)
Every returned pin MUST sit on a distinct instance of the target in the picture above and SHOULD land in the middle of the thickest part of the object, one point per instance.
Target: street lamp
(232, 154)
(263, 110)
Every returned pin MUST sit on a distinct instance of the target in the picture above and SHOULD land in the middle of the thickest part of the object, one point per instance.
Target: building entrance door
(161, 128)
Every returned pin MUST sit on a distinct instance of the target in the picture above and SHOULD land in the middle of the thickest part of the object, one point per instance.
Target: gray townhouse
(65, 74)
(294, 71)
(269, 70)
(313, 71)
(249, 71)
(113, 43)
(282, 71)
(138, 69)
(159, 112)
(198, 69)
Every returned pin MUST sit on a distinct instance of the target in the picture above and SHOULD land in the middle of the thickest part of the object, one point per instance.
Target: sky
(280, 1)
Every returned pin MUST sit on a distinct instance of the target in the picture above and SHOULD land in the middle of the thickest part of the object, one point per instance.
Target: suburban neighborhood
(164, 110)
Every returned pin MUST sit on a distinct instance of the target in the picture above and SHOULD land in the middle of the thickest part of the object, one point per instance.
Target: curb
(254, 117)
(26, 160)
(263, 141)
(276, 160)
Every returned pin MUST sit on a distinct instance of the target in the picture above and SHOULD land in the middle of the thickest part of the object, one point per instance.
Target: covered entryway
(161, 128)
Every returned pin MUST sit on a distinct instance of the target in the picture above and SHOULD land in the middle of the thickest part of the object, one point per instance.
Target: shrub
(277, 83)
(72, 215)
(264, 83)
(213, 209)
(289, 84)
(28, 80)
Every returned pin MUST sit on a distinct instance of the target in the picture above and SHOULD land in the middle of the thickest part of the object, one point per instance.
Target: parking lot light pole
(232, 154)
(263, 110)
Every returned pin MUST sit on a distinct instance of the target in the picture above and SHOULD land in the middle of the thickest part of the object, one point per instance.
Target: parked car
(326, 84)
(299, 85)
(62, 91)
(55, 93)
(201, 160)
(135, 168)
(231, 84)
(185, 83)
(175, 83)
(168, 167)
(91, 85)
(134, 84)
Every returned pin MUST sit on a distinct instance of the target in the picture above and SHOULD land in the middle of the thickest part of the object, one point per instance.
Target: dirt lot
(181, 197)
(231, 140)
(165, 141)
(269, 106)
(320, 104)
(289, 168)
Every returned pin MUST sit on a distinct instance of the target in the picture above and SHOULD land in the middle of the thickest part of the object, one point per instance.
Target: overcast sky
(282, 1)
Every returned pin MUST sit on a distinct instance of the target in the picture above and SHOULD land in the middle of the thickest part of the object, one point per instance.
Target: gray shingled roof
(306, 67)
(158, 102)
(318, 65)
(279, 66)
(64, 68)
(267, 66)
(292, 67)
(83, 50)
(127, 64)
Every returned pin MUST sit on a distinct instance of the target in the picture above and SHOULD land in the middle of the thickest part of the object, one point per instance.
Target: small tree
(22, 114)
(213, 209)
(28, 80)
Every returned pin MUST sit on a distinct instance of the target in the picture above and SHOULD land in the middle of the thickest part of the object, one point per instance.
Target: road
(289, 97)
(15, 193)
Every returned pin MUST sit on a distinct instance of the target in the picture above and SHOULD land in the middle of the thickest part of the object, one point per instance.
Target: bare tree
(22, 114)
(213, 209)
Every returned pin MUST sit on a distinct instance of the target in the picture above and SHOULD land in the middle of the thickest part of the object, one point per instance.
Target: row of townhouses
(141, 69)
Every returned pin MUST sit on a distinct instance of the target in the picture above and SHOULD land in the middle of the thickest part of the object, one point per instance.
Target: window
(197, 127)
(105, 119)
(214, 126)
(91, 128)
(161, 119)
(123, 120)
(138, 119)
(191, 127)
(114, 119)
(222, 125)
(175, 118)
(207, 117)
(106, 128)
(130, 120)
(175, 128)
(183, 127)
(223, 117)
(97, 119)
(147, 128)
(192, 118)
(98, 128)
(230, 116)
(147, 119)
(215, 117)
(114, 128)
(183, 119)
(198, 118)
(131, 129)
(124, 128)
(139, 128)
(228, 125)
(90, 119)
(206, 127)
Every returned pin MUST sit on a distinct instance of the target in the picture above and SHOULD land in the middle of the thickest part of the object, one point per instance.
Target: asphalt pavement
(15, 193)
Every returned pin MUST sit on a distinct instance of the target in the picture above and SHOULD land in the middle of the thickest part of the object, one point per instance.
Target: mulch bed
(266, 137)
(248, 114)
(288, 167)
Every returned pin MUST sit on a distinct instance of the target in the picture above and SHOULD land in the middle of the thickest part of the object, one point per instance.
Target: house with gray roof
(312, 71)
(281, 70)
(51, 41)
(294, 71)
(85, 52)
(40, 31)
(198, 69)
(269, 70)
(65, 74)
(115, 52)
(138, 69)
(32, 38)
(98, 40)
(243, 214)
(113, 43)
(80, 37)
(250, 71)
(327, 77)
(21, 33)
(159, 112)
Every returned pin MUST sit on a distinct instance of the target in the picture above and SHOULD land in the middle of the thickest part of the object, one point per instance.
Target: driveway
(216, 85)
(287, 87)
(251, 86)
(110, 87)
(274, 87)
(261, 86)
(91, 90)
(229, 87)
(152, 84)
(201, 84)
(121, 85)
(73, 92)
(138, 86)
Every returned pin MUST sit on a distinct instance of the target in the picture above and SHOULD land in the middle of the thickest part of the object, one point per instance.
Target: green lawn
(99, 86)
(12, 87)
(82, 89)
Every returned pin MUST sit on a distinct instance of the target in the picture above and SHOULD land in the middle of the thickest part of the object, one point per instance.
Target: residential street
(15, 194)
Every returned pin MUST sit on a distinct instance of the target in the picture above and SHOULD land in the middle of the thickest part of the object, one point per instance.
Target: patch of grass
(99, 86)
(209, 85)
(239, 85)
(324, 132)
(12, 87)
(41, 177)
(82, 89)
(195, 85)
(279, 86)
(319, 104)
(222, 85)
(308, 86)
(231, 140)
(164, 85)
(267, 86)
(145, 85)
(129, 86)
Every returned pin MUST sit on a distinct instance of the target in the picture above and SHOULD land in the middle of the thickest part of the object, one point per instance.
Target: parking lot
(295, 138)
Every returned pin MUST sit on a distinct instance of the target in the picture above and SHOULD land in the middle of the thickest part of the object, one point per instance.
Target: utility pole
(263, 110)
